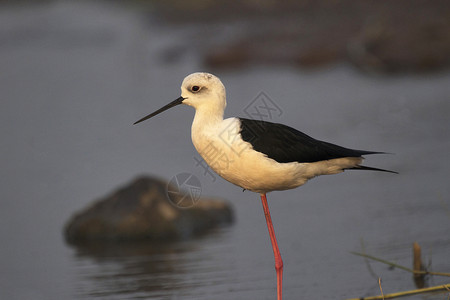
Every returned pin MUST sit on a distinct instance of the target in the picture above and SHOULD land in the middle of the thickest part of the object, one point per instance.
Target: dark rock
(141, 211)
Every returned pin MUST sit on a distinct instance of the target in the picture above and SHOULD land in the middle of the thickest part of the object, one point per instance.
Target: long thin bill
(166, 107)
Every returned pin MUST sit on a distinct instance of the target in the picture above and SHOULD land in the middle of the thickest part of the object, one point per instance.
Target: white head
(203, 91)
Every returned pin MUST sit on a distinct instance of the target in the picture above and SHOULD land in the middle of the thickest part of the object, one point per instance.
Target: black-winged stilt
(256, 155)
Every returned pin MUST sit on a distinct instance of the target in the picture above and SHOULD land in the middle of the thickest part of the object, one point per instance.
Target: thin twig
(448, 289)
(366, 260)
(381, 289)
(406, 293)
(400, 266)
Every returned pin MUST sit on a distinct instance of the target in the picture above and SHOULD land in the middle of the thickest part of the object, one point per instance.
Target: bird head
(203, 91)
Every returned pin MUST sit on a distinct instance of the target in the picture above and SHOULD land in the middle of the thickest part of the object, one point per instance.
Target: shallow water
(78, 75)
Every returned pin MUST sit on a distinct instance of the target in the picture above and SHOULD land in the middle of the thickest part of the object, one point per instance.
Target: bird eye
(195, 88)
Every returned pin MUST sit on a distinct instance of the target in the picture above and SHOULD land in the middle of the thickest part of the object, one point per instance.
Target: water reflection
(144, 269)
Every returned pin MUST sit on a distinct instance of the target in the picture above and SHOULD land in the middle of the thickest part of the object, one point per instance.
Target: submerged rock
(141, 211)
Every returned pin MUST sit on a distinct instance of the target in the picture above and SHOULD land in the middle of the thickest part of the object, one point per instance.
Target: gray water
(76, 75)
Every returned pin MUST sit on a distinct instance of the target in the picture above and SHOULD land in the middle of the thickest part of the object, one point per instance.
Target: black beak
(166, 107)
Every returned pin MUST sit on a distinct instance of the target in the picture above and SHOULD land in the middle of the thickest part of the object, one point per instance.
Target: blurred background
(368, 75)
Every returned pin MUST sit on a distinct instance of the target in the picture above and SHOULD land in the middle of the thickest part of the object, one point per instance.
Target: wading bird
(256, 155)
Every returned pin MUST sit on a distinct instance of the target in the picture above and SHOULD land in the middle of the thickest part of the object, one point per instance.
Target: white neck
(206, 118)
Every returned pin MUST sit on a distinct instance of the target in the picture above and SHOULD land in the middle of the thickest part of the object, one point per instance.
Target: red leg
(276, 251)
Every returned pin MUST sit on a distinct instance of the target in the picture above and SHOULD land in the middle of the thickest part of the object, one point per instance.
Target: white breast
(223, 149)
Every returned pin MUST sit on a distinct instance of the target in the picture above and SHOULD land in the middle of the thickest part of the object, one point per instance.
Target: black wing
(285, 144)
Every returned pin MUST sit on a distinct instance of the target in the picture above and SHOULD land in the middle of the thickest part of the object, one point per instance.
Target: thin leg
(276, 251)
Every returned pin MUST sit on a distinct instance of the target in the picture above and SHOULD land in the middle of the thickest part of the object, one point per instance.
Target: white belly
(228, 155)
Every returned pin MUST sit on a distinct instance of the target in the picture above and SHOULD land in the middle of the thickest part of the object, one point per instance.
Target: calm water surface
(76, 76)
